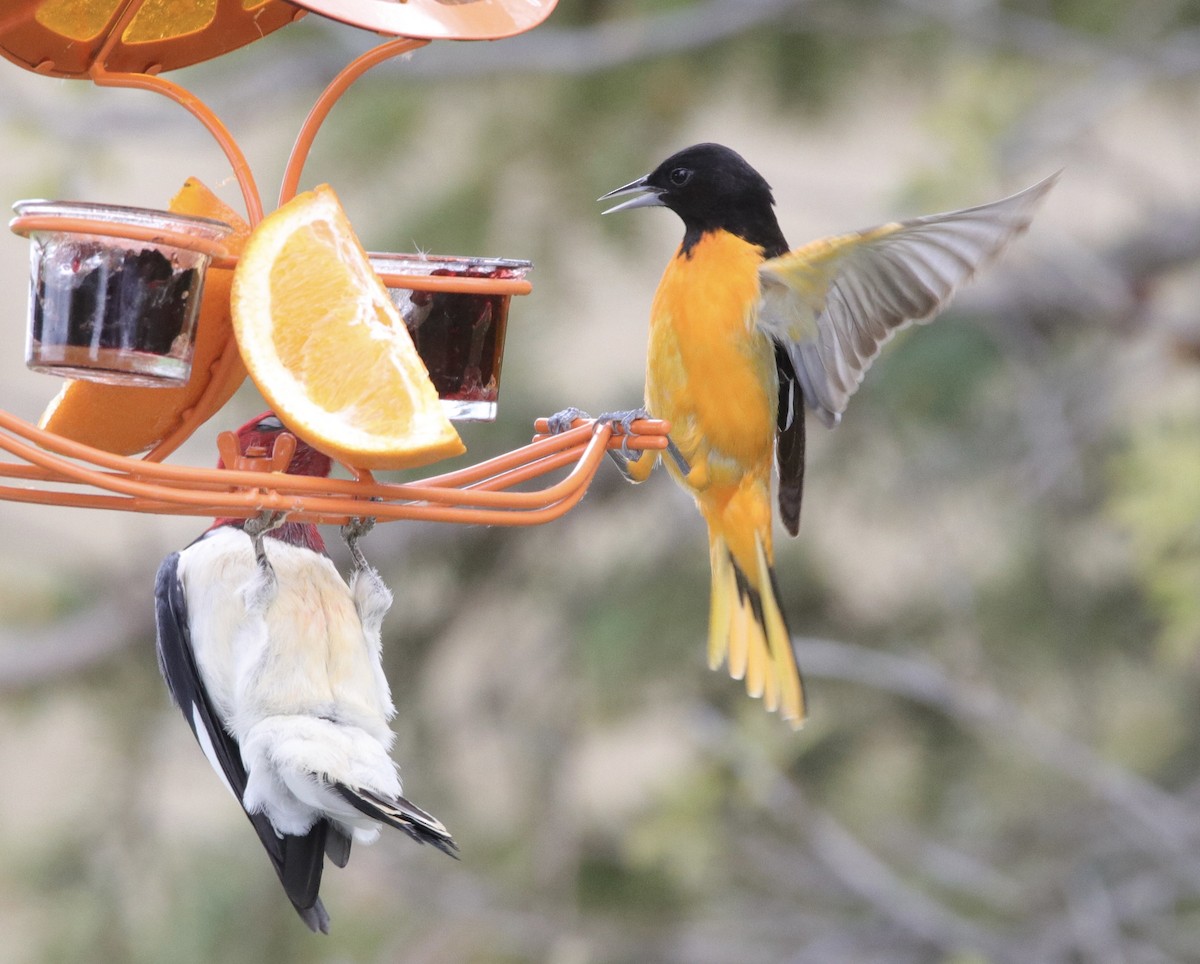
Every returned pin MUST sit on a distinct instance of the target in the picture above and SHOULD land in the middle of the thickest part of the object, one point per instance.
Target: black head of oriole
(745, 333)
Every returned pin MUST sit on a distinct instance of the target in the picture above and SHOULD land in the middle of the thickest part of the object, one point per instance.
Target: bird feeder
(86, 255)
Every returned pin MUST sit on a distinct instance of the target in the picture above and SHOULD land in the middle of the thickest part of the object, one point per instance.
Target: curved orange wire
(478, 494)
(320, 110)
(192, 103)
(27, 224)
(101, 77)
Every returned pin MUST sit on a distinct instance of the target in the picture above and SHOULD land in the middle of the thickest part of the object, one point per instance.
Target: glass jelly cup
(459, 336)
(108, 308)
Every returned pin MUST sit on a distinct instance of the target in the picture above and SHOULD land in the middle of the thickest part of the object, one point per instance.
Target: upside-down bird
(275, 662)
(744, 334)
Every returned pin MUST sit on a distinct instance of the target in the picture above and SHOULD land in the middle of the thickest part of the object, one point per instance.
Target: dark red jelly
(110, 308)
(106, 298)
(460, 337)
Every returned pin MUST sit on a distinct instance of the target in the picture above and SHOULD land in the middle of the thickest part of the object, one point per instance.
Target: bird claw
(559, 422)
(357, 527)
(263, 590)
(625, 419)
(354, 530)
(258, 526)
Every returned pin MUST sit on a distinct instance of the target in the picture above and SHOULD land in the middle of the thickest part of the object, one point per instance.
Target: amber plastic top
(71, 38)
(66, 38)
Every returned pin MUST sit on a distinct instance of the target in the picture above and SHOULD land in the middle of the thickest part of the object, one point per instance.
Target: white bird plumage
(293, 666)
(276, 663)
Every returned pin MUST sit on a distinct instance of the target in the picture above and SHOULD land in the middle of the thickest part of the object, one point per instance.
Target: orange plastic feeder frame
(127, 43)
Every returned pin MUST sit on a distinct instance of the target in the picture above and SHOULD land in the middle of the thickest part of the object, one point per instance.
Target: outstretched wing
(297, 860)
(832, 303)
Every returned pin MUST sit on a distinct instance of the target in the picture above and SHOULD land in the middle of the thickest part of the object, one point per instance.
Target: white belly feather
(296, 677)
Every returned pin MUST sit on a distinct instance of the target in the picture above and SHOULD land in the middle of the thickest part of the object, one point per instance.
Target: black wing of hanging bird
(297, 860)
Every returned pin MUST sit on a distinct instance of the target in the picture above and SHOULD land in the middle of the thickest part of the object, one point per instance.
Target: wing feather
(833, 303)
(402, 814)
(297, 860)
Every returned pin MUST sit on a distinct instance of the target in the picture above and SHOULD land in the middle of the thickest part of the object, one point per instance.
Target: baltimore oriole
(743, 334)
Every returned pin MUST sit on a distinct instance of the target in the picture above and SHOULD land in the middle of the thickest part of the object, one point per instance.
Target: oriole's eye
(270, 423)
(680, 176)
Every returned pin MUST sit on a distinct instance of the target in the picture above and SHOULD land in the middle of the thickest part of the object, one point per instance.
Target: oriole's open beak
(648, 196)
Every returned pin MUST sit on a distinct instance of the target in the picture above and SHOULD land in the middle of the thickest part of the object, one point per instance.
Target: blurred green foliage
(1157, 481)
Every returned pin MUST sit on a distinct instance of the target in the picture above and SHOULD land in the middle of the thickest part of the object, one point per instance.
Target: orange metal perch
(130, 51)
(57, 471)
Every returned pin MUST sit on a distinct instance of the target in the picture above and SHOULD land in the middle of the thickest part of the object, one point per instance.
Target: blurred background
(996, 588)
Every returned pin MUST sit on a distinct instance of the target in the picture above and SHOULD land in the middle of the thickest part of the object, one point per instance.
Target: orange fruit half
(126, 420)
(325, 345)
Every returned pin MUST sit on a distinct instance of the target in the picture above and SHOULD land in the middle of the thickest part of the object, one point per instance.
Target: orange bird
(743, 334)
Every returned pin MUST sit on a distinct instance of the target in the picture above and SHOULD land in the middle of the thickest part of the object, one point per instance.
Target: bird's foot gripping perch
(372, 598)
(352, 531)
(624, 419)
(257, 527)
(262, 589)
(559, 422)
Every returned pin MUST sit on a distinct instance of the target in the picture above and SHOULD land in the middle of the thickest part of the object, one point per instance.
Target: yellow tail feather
(721, 608)
(747, 629)
(779, 640)
(757, 670)
(740, 631)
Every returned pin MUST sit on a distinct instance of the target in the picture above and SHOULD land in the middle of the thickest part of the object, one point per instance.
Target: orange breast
(709, 370)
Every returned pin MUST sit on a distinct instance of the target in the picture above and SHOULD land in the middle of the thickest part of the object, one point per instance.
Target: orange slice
(327, 348)
(127, 420)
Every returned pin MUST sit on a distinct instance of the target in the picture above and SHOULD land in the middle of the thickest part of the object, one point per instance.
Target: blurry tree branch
(872, 880)
(609, 44)
(1142, 897)
(1068, 288)
(1166, 822)
(1120, 66)
(1094, 912)
(1108, 909)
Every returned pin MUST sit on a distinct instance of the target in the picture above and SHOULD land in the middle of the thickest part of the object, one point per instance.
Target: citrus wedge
(126, 420)
(325, 345)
